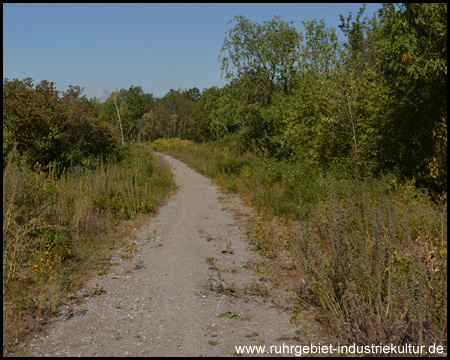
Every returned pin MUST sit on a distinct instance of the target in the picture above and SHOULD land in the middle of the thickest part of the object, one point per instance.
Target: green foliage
(261, 60)
(413, 62)
(32, 118)
(170, 116)
(218, 113)
(377, 99)
(264, 54)
(229, 315)
(48, 128)
(132, 104)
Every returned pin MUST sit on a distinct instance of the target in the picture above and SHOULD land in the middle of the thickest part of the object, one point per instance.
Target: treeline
(377, 99)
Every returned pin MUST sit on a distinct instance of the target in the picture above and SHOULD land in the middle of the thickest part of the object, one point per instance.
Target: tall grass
(53, 225)
(373, 251)
(376, 260)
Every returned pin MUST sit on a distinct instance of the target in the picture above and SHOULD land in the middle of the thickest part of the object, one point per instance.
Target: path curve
(160, 302)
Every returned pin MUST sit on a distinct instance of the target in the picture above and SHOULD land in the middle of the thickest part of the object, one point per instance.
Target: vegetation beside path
(339, 142)
(58, 227)
(373, 251)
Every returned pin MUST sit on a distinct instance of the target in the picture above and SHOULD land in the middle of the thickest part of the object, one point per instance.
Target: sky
(106, 47)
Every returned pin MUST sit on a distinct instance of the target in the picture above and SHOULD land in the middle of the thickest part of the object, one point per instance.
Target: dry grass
(377, 263)
(57, 229)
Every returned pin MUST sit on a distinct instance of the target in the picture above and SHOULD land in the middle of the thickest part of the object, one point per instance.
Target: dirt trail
(165, 301)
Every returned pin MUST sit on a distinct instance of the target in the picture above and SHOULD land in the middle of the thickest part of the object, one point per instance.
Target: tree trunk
(266, 144)
(114, 97)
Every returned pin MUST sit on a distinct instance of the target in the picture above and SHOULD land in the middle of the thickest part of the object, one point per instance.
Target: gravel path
(165, 301)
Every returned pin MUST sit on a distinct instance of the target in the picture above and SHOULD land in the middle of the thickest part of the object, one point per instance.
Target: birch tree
(114, 99)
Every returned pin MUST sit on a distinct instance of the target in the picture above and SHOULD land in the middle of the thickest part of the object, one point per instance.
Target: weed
(266, 270)
(229, 315)
(209, 284)
(218, 285)
(130, 249)
(104, 266)
(96, 291)
(256, 289)
(206, 235)
(233, 315)
(253, 334)
(210, 262)
(228, 250)
(153, 236)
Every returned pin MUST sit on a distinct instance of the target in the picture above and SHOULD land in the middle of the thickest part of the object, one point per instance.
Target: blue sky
(103, 47)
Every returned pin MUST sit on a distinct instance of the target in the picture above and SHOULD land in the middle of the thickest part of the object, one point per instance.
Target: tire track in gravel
(157, 303)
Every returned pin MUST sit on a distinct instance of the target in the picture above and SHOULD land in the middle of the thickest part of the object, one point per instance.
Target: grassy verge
(373, 251)
(58, 229)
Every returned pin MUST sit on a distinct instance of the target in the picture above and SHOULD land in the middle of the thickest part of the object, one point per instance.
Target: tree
(114, 96)
(169, 116)
(413, 62)
(49, 126)
(76, 104)
(262, 59)
(33, 119)
(135, 104)
(127, 107)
